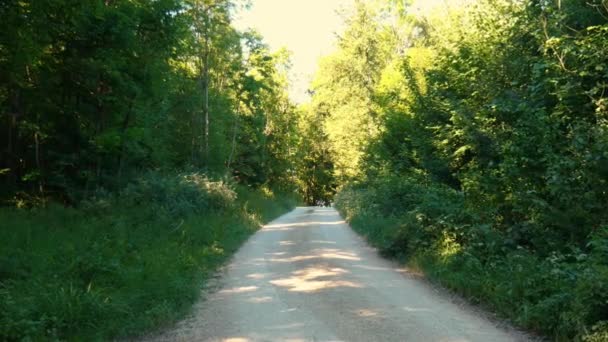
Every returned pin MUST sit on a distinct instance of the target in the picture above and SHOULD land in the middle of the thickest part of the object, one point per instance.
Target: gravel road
(308, 277)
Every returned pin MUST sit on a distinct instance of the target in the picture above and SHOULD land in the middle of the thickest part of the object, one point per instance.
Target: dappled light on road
(308, 277)
(366, 313)
(242, 289)
(257, 275)
(309, 224)
(264, 299)
(317, 254)
(315, 278)
(409, 309)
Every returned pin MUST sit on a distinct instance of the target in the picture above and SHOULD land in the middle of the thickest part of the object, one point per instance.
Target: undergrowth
(121, 264)
(561, 293)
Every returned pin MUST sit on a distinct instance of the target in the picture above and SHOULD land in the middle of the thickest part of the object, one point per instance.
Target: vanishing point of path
(308, 277)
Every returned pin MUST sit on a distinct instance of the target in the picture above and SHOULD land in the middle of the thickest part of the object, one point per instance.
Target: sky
(305, 27)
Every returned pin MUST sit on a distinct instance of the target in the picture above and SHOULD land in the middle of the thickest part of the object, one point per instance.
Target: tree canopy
(480, 126)
(94, 92)
(476, 130)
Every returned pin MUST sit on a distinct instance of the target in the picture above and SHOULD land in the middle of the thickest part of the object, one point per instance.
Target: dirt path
(308, 277)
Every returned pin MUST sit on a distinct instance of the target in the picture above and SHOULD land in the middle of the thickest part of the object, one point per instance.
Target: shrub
(121, 263)
(563, 294)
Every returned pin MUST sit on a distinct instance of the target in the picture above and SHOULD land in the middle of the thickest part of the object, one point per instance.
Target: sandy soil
(308, 277)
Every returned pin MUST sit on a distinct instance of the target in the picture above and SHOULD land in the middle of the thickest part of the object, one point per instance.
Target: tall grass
(121, 264)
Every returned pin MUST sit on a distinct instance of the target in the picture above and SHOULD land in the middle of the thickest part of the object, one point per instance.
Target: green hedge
(563, 295)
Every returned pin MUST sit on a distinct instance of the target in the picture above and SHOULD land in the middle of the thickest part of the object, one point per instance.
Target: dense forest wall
(92, 93)
(471, 136)
(141, 143)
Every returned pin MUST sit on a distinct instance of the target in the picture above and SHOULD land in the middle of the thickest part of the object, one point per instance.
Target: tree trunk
(13, 138)
(123, 145)
(11, 178)
(234, 133)
(99, 128)
(206, 86)
(38, 166)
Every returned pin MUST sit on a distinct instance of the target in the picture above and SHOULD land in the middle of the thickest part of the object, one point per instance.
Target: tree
(344, 89)
(92, 93)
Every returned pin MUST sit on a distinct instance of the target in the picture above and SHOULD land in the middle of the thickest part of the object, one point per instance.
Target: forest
(144, 140)
(471, 140)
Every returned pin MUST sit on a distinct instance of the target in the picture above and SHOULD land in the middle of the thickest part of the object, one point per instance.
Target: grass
(122, 264)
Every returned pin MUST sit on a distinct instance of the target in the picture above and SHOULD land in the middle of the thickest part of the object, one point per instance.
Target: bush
(599, 333)
(121, 263)
(563, 294)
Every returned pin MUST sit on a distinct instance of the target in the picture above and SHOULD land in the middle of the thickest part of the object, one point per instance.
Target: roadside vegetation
(558, 292)
(469, 138)
(126, 263)
(142, 142)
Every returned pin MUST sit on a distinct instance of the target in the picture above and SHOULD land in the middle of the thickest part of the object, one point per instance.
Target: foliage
(93, 95)
(315, 167)
(562, 294)
(94, 92)
(121, 264)
(344, 87)
(486, 165)
(469, 136)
